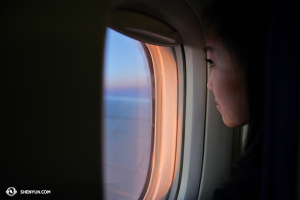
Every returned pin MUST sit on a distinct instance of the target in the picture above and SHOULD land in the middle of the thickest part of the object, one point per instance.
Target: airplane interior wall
(51, 58)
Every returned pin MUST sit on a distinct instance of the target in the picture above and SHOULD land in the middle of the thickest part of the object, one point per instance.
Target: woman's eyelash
(210, 62)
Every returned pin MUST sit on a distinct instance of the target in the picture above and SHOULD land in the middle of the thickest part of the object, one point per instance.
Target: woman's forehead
(213, 44)
(208, 48)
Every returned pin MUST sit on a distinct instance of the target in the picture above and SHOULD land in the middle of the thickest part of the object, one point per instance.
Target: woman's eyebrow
(208, 48)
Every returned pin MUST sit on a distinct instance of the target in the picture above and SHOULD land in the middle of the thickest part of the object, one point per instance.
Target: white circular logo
(11, 191)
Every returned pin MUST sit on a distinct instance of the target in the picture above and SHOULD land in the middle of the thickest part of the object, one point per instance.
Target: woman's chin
(233, 123)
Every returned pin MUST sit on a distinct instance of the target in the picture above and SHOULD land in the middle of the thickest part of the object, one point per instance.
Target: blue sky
(125, 64)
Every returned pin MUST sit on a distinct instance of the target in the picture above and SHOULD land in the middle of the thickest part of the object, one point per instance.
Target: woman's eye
(210, 62)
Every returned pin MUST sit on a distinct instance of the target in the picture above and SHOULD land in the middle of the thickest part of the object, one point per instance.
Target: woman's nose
(210, 82)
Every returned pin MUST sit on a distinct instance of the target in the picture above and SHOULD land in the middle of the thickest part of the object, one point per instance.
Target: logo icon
(11, 191)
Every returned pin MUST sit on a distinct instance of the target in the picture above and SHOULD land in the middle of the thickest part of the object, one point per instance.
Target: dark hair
(242, 27)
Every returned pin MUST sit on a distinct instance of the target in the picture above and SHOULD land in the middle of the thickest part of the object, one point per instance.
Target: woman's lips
(218, 105)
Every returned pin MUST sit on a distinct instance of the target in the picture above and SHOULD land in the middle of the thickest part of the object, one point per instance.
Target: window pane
(127, 118)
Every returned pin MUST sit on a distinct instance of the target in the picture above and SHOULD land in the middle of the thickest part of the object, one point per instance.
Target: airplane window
(128, 117)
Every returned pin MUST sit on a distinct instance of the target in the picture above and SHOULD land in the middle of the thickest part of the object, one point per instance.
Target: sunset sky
(125, 62)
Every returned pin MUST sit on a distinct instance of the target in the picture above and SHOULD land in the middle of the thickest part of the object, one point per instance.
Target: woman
(235, 47)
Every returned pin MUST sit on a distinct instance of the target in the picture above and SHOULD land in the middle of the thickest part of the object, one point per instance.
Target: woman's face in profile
(228, 83)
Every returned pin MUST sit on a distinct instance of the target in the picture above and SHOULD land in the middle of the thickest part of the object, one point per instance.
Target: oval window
(128, 116)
